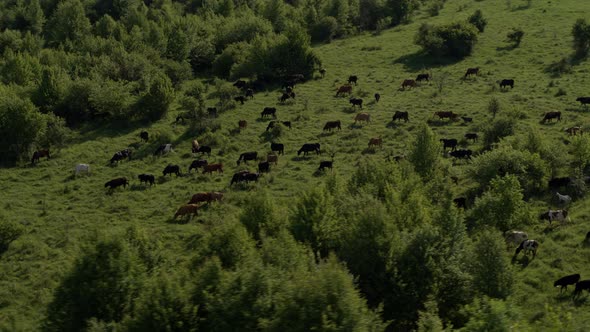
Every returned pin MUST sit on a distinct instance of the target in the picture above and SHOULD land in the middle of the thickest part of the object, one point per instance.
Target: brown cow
(376, 142)
(408, 83)
(332, 125)
(272, 158)
(200, 197)
(216, 196)
(189, 209)
(362, 117)
(344, 89)
(213, 168)
(38, 154)
(444, 114)
(472, 71)
(574, 130)
(242, 124)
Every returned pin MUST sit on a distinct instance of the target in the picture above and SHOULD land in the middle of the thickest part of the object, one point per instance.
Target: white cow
(529, 246)
(82, 168)
(555, 215)
(515, 237)
(563, 199)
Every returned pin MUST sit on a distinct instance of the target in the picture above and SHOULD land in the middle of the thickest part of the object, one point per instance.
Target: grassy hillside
(63, 213)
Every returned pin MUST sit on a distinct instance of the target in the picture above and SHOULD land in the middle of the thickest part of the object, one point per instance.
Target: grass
(61, 212)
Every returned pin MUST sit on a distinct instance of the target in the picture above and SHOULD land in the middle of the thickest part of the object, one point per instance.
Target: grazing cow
(574, 130)
(244, 176)
(114, 183)
(38, 154)
(356, 102)
(120, 155)
(240, 99)
(82, 168)
(196, 164)
(200, 198)
(189, 209)
(551, 215)
(322, 72)
(446, 114)
(377, 97)
(309, 147)
(580, 286)
(449, 143)
(278, 147)
(505, 83)
(332, 125)
(250, 93)
(286, 96)
(515, 237)
(272, 158)
(583, 100)
(269, 111)
(556, 183)
(572, 279)
(147, 178)
(212, 112)
(247, 156)
(472, 71)
(549, 116)
(172, 169)
(587, 239)
(471, 136)
(398, 115)
(344, 89)
(376, 142)
(213, 168)
(289, 85)
(408, 83)
(164, 148)
(352, 79)
(202, 149)
(216, 196)
(263, 167)
(461, 154)
(325, 164)
(528, 246)
(240, 84)
(467, 119)
(242, 124)
(563, 199)
(144, 136)
(362, 117)
(423, 77)
(460, 203)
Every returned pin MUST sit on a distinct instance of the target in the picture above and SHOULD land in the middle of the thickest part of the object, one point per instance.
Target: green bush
(515, 36)
(456, 39)
(155, 102)
(581, 33)
(9, 231)
(478, 20)
(324, 30)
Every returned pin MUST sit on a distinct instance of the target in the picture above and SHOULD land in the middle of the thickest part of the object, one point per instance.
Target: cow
(322, 72)
(563, 282)
(398, 115)
(344, 89)
(272, 158)
(189, 209)
(471, 136)
(580, 286)
(39, 154)
(249, 93)
(352, 79)
(147, 178)
(356, 102)
(471, 71)
(285, 96)
(213, 168)
(408, 83)
(269, 111)
(289, 85)
(278, 147)
(309, 147)
(247, 156)
(461, 154)
(449, 143)
(504, 83)
(325, 164)
(515, 237)
(362, 117)
(549, 116)
(573, 131)
(423, 77)
(244, 176)
(272, 124)
(587, 239)
(460, 202)
(202, 149)
(114, 183)
(82, 168)
(240, 99)
(242, 124)
(558, 182)
(332, 125)
(563, 199)
(583, 100)
(467, 119)
(263, 167)
(212, 112)
(195, 164)
(552, 215)
(240, 84)
(446, 114)
(376, 142)
(171, 169)
(120, 155)
(200, 198)
(377, 97)
(144, 136)
(164, 148)
(527, 246)
(216, 196)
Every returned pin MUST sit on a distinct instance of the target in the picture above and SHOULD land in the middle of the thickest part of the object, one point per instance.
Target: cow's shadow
(349, 110)
(417, 61)
(327, 133)
(523, 261)
(355, 126)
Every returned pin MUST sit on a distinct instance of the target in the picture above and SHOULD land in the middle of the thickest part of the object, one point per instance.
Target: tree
(67, 23)
(581, 33)
(259, 216)
(580, 150)
(425, 153)
(494, 106)
(51, 90)
(499, 128)
(178, 45)
(478, 20)
(456, 39)
(491, 269)
(156, 101)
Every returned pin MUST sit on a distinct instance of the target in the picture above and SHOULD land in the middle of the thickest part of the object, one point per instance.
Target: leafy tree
(401, 10)
(21, 69)
(55, 134)
(229, 242)
(67, 23)
(428, 320)
(324, 30)
(581, 33)
(490, 315)
(478, 20)
(456, 39)
(110, 99)
(178, 45)
(51, 90)
(580, 150)
(492, 273)
(232, 57)
(156, 101)
(499, 128)
(425, 152)
(275, 11)
(260, 217)
(494, 106)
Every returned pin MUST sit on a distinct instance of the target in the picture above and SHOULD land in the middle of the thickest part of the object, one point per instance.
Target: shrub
(456, 39)
(581, 33)
(478, 20)
(497, 130)
(154, 104)
(435, 7)
(324, 30)
(515, 36)
(9, 231)
(494, 106)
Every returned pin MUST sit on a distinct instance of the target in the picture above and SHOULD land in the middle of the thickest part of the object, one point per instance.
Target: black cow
(377, 97)
(567, 280)
(460, 202)
(278, 147)
(449, 143)
(549, 116)
(583, 100)
(326, 164)
(580, 286)
(398, 115)
(120, 155)
(164, 148)
(309, 147)
(247, 156)
(250, 93)
(269, 111)
(114, 183)
(196, 164)
(144, 136)
(423, 77)
(587, 239)
(332, 125)
(471, 136)
(202, 149)
(556, 183)
(263, 167)
(286, 96)
(506, 83)
(356, 102)
(352, 79)
(147, 178)
(240, 99)
(172, 169)
(461, 154)
(244, 176)
(467, 119)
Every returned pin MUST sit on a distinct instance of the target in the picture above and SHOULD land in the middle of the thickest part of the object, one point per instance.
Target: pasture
(62, 212)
